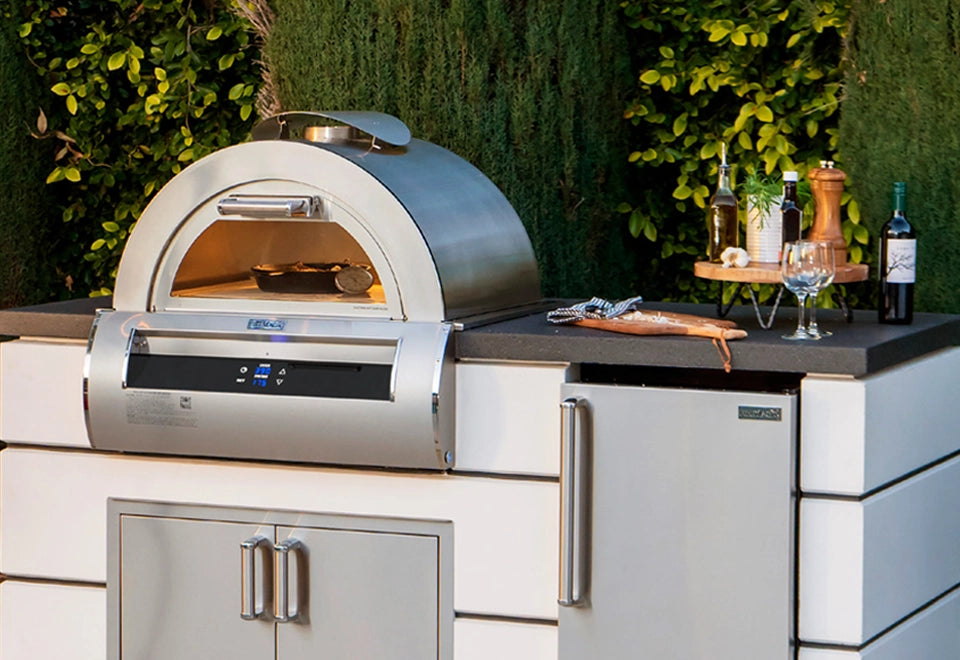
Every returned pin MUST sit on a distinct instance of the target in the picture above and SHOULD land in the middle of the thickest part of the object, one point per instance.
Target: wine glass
(800, 269)
(828, 270)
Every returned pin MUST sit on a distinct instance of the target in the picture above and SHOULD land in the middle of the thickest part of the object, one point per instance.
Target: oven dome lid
(439, 237)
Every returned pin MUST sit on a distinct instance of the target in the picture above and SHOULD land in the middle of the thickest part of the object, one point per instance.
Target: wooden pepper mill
(826, 184)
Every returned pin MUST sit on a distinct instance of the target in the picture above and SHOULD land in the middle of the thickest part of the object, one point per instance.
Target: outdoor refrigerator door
(688, 508)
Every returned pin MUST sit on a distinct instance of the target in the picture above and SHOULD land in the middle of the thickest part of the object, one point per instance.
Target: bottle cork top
(790, 176)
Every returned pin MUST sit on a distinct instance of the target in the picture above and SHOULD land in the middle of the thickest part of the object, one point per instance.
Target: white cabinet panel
(75, 628)
(49, 621)
(508, 417)
(475, 639)
(866, 564)
(859, 434)
(933, 634)
(41, 392)
(505, 530)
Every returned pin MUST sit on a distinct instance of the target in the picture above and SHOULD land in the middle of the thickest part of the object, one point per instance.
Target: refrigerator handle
(251, 607)
(282, 610)
(573, 479)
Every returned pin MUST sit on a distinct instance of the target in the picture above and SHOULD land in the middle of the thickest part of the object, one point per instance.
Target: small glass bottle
(723, 223)
(898, 263)
(791, 217)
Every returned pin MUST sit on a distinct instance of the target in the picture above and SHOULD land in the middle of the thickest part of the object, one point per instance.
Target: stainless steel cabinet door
(180, 592)
(689, 539)
(361, 596)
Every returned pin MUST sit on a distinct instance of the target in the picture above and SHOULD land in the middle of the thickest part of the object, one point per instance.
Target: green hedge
(530, 91)
(764, 78)
(137, 89)
(26, 262)
(901, 122)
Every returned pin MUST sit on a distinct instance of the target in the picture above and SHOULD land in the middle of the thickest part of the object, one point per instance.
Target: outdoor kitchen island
(863, 564)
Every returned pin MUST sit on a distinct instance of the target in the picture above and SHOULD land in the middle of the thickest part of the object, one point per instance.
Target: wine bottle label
(901, 260)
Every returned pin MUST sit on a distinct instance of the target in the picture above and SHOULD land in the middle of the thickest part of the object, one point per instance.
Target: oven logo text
(266, 324)
(760, 413)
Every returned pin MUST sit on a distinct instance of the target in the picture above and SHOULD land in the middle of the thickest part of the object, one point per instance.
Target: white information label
(901, 260)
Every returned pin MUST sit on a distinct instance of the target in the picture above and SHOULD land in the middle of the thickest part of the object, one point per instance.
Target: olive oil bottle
(723, 223)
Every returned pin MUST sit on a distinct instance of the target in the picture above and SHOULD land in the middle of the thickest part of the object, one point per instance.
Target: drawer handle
(573, 480)
(285, 608)
(251, 606)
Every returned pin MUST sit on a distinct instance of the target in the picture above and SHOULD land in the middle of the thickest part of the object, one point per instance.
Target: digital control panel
(260, 376)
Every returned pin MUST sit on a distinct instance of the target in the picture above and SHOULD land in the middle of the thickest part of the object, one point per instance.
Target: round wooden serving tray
(770, 273)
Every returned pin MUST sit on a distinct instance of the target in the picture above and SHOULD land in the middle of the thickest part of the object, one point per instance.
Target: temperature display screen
(283, 377)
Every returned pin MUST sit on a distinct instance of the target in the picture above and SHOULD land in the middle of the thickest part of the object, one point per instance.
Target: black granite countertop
(858, 348)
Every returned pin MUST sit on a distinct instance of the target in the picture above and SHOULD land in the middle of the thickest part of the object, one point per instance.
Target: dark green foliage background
(26, 268)
(531, 92)
(901, 122)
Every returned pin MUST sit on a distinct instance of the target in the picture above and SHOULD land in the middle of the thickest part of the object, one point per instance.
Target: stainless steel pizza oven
(293, 298)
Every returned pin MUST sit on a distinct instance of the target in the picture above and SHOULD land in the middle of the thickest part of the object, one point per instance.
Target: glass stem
(802, 299)
(813, 311)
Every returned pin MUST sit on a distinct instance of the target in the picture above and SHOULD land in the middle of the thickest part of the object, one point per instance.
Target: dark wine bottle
(898, 263)
(723, 223)
(791, 217)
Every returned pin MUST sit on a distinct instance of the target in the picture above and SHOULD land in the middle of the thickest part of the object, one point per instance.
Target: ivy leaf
(116, 61)
(89, 49)
(72, 104)
(111, 226)
(764, 114)
(245, 111)
(680, 124)
(235, 92)
(709, 150)
(861, 234)
(650, 231)
(60, 89)
(72, 174)
(214, 33)
(739, 38)
(650, 76)
(226, 61)
(853, 211)
(682, 192)
(718, 33)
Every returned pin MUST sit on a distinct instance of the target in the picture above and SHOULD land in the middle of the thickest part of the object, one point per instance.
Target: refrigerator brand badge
(266, 324)
(762, 413)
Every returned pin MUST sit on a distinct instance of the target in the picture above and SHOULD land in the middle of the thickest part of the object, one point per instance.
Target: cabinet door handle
(573, 480)
(285, 608)
(251, 606)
